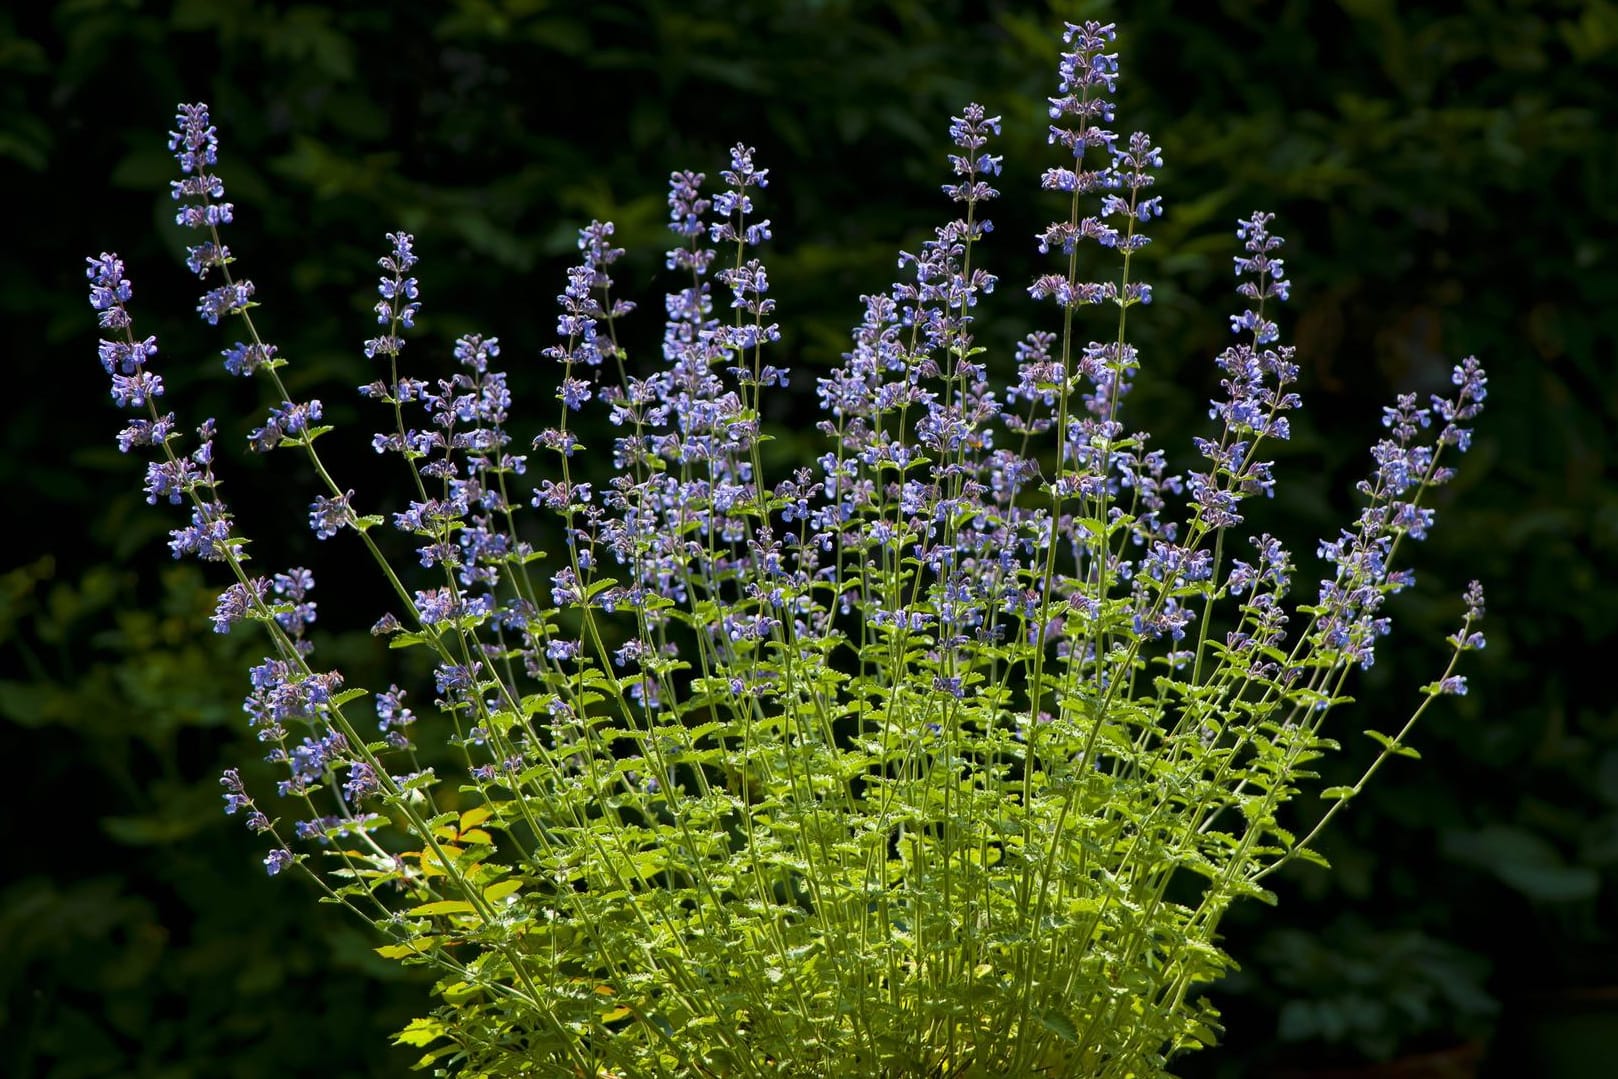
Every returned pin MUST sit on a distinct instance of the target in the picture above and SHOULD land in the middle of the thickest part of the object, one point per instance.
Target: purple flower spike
(196, 148)
(398, 304)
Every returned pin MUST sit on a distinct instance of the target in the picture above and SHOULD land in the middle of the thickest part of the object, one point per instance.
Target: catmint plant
(941, 755)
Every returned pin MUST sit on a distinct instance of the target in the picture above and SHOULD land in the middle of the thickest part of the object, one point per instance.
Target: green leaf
(1312, 856)
(419, 781)
(342, 698)
(421, 1033)
(442, 906)
(1395, 747)
(1060, 1025)
(1332, 794)
(307, 437)
(407, 948)
(496, 892)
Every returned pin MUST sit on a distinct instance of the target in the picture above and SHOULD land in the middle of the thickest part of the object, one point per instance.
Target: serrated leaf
(308, 435)
(1397, 748)
(342, 698)
(421, 1033)
(1312, 856)
(407, 948)
(419, 781)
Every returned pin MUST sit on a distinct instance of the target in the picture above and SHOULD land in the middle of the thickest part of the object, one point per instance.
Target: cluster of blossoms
(922, 610)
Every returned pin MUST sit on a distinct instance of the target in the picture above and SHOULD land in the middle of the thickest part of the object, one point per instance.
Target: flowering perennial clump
(943, 755)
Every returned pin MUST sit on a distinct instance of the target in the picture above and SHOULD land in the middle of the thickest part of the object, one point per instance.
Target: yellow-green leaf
(408, 948)
(499, 891)
(442, 906)
(420, 1033)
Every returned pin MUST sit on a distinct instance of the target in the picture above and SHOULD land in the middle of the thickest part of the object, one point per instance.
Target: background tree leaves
(1444, 178)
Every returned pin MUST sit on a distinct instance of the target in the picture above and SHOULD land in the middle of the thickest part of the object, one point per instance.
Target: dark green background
(1446, 176)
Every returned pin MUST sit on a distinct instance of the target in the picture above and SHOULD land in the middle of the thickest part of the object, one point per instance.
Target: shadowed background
(1445, 180)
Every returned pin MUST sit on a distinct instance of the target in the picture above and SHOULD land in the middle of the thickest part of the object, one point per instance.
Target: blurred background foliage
(1445, 175)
